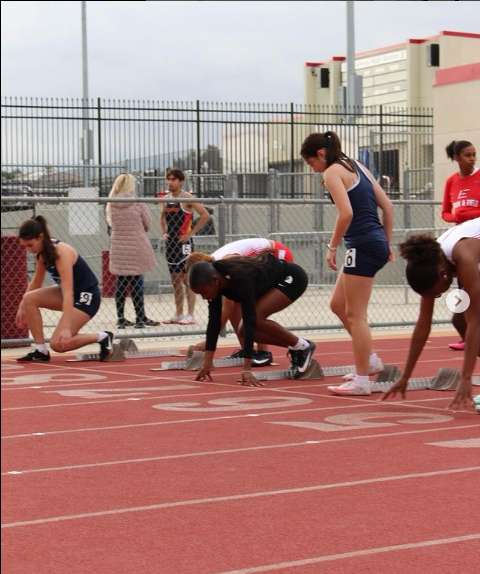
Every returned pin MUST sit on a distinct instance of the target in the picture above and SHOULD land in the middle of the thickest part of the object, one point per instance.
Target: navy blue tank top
(83, 277)
(365, 225)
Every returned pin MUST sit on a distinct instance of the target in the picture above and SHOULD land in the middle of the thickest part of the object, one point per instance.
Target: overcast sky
(212, 51)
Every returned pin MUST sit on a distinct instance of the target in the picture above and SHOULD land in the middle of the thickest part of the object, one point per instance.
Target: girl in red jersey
(461, 199)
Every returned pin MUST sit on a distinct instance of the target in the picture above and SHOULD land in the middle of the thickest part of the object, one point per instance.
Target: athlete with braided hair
(231, 311)
(263, 285)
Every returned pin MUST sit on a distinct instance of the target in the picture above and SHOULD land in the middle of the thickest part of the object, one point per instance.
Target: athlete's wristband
(330, 248)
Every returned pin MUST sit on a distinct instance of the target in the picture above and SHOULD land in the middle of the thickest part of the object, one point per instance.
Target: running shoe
(301, 360)
(173, 320)
(35, 356)
(262, 359)
(235, 355)
(146, 323)
(460, 346)
(187, 320)
(106, 346)
(376, 366)
(124, 323)
(352, 387)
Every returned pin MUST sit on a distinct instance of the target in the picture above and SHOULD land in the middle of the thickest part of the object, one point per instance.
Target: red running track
(113, 468)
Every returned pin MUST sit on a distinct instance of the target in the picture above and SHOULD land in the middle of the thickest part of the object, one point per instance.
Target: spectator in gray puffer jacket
(131, 253)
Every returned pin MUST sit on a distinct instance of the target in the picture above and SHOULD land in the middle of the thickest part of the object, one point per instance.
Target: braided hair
(202, 272)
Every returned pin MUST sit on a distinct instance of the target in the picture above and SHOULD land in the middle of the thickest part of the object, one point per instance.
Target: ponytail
(330, 142)
(423, 254)
(32, 229)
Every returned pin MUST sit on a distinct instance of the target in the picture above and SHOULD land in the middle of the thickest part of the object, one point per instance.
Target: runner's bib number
(350, 257)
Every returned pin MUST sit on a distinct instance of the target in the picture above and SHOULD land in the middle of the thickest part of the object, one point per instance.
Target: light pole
(86, 132)
(354, 82)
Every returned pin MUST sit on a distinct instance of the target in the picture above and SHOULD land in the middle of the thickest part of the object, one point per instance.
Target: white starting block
(127, 349)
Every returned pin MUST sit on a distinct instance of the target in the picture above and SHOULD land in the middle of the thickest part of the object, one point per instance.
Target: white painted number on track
(106, 393)
(50, 377)
(236, 404)
(354, 421)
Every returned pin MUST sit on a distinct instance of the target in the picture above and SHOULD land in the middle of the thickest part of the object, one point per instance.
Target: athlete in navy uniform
(357, 196)
(263, 285)
(176, 225)
(76, 294)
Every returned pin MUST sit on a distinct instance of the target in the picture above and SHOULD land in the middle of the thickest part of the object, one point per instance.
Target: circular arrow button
(458, 301)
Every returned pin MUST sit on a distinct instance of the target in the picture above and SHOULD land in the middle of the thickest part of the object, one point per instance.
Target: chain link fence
(305, 226)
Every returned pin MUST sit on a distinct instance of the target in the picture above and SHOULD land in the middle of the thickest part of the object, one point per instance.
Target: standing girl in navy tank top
(357, 197)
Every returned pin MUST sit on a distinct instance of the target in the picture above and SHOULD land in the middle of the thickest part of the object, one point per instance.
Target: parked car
(14, 190)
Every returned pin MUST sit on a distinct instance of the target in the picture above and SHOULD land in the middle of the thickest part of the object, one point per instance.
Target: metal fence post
(406, 196)
(232, 178)
(272, 187)
(222, 222)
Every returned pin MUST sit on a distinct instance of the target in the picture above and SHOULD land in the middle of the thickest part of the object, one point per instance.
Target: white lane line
(460, 443)
(355, 554)
(314, 488)
(228, 451)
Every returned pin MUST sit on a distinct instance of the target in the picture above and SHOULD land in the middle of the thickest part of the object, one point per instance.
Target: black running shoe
(293, 370)
(34, 357)
(106, 346)
(236, 355)
(124, 323)
(305, 357)
(262, 359)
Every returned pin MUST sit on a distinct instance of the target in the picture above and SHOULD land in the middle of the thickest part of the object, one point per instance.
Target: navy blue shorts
(294, 281)
(88, 301)
(366, 259)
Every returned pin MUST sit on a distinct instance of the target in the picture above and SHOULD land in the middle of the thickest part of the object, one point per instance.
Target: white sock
(373, 359)
(361, 379)
(42, 348)
(300, 345)
(102, 335)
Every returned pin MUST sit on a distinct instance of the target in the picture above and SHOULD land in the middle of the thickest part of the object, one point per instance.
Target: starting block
(194, 360)
(127, 349)
(446, 379)
(315, 371)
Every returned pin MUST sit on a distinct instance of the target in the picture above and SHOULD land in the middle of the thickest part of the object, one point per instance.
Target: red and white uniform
(461, 198)
(252, 247)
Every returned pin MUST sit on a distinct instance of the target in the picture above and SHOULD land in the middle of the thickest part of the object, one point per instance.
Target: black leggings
(137, 293)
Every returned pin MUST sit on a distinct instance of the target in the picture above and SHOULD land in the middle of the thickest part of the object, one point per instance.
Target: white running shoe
(375, 367)
(187, 320)
(352, 388)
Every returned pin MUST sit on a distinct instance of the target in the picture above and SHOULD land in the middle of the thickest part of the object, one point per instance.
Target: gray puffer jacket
(131, 252)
